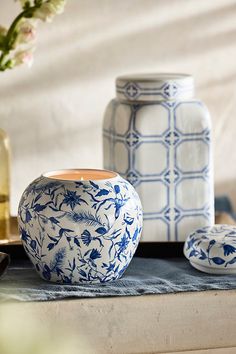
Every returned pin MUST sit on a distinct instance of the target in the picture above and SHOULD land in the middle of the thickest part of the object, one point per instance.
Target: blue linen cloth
(143, 276)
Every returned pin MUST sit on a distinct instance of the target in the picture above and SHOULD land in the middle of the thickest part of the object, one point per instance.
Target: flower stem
(10, 34)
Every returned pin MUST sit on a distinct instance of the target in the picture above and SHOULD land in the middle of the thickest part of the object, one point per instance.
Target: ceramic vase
(80, 226)
(158, 137)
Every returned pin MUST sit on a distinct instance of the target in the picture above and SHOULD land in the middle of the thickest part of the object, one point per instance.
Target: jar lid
(212, 249)
(154, 87)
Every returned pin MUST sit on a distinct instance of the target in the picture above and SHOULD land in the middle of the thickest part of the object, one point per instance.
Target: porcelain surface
(80, 231)
(154, 87)
(159, 138)
(212, 249)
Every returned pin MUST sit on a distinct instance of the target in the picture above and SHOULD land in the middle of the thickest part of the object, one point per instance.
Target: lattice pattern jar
(158, 137)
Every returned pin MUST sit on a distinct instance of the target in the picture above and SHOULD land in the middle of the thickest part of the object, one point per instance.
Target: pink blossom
(24, 57)
(26, 32)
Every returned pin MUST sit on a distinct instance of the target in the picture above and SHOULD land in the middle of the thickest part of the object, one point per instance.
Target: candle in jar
(80, 175)
(80, 225)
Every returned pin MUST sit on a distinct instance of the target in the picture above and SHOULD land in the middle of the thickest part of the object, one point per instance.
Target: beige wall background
(53, 111)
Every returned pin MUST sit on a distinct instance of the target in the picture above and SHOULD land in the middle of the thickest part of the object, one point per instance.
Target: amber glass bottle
(4, 185)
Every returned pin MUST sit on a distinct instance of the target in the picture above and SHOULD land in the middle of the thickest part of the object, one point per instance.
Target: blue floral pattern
(212, 248)
(80, 231)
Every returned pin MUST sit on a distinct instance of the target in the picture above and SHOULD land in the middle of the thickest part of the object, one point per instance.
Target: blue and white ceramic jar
(158, 137)
(212, 249)
(80, 226)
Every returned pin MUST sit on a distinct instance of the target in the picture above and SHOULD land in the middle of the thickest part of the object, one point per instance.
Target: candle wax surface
(80, 175)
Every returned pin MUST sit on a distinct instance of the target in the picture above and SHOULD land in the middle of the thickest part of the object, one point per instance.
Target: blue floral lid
(212, 249)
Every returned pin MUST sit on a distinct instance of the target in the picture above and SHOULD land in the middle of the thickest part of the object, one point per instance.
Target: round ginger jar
(158, 137)
(80, 226)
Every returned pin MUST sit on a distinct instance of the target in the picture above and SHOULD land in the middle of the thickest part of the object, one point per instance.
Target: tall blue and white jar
(158, 137)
